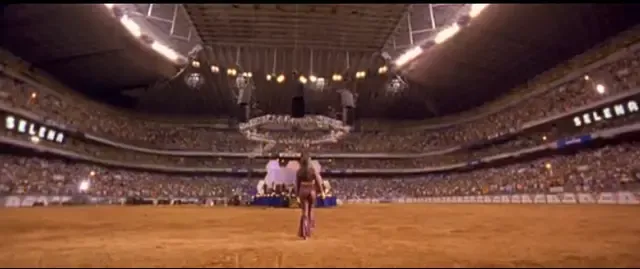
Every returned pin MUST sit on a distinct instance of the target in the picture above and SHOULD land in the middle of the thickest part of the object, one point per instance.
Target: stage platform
(282, 201)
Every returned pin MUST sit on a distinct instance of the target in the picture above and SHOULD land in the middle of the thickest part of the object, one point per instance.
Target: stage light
(336, 77)
(83, 186)
(215, 69)
(194, 80)
(382, 69)
(195, 64)
(280, 78)
(231, 72)
(361, 74)
(318, 85)
(269, 77)
(247, 74)
(396, 84)
(302, 80)
(313, 78)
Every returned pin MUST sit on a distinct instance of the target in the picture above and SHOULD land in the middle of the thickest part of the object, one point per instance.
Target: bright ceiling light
(109, 6)
(195, 64)
(165, 51)
(302, 80)
(269, 77)
(231, 72)
(131, 26)
(408, 56)
(280, 78)
(586, 77)
(313, 78)
(600, 88)
(382, 69)
(215, 69)
(361, 74)
(476, 9)
(336, 77)
(445, 34)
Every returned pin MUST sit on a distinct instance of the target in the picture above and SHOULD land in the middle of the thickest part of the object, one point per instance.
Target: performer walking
(306, 183)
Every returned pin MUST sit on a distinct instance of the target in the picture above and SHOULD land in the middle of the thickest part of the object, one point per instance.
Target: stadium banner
(32, 129)
(574, 141)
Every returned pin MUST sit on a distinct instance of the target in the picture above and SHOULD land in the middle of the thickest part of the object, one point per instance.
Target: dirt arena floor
(351, 236)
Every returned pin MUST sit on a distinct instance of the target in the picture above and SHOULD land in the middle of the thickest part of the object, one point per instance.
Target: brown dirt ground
(351, 236)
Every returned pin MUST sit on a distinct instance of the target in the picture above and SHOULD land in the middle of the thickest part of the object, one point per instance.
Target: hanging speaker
(297, 107)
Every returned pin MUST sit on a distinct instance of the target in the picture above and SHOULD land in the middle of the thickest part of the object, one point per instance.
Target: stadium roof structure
(509, 44)
(82, 45)
(504, 46)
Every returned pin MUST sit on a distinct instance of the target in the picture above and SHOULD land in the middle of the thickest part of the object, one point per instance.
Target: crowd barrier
(606, 198)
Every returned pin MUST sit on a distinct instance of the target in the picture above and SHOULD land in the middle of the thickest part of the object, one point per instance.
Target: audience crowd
(608, 168)
(100, 151)
(611, 168)
(28, 175)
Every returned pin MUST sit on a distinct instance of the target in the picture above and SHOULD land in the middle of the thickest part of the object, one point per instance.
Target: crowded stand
(32, 175)
(85, 147)
(617, 74)
(610, 167)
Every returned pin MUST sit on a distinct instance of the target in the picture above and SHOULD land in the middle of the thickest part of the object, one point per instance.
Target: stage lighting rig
(317, 83)
(194, 80)
(396, 84)
(245, 82)
(307, 130)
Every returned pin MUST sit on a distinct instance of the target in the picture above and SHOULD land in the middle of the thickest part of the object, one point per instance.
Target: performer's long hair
(305, 165)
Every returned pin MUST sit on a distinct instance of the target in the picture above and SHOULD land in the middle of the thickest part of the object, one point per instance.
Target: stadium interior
(441, 135)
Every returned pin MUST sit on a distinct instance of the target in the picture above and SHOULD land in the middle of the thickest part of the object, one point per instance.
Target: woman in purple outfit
(306, 184)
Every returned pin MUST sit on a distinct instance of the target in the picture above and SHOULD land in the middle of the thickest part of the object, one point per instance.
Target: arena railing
(610, 197)
(588, 198)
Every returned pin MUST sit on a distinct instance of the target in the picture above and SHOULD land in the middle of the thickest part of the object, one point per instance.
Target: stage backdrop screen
(286, 174)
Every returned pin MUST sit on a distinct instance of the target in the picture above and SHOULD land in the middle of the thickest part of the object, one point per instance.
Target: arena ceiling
(312, 40)
(509, 44)
(505, 46)
(82, 45)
